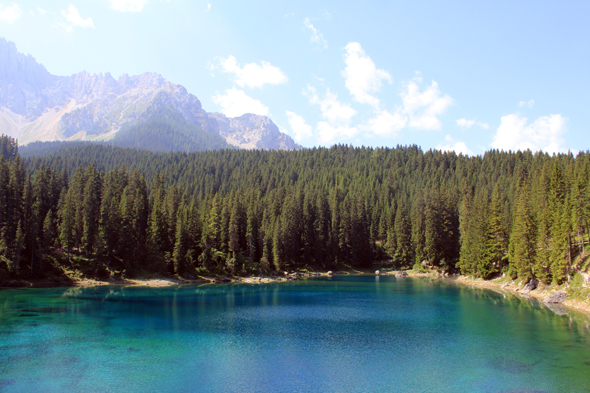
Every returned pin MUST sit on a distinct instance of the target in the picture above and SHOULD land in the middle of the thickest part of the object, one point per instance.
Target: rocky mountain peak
(35, 105)
(251, 131)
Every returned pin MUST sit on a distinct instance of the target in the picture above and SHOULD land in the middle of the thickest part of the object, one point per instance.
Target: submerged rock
(556, 297)
(557, 308)
(510, 366)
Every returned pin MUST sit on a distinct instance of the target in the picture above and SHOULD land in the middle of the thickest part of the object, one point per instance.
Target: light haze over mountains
(38, 106)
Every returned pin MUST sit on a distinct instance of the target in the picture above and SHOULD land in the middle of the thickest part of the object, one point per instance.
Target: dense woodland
(235, 212)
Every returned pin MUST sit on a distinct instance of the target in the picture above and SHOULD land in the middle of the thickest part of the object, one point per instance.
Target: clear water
(344, 334)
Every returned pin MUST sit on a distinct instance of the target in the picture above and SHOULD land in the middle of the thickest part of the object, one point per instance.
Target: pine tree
(252, 234)
(404, 252)
(496, 240)
(322, 231)
(419, 229)
(180, 246)
(48, 231)
(214, 227)
(472, 262)
(524, 238)
(91, 210)
(19, 245)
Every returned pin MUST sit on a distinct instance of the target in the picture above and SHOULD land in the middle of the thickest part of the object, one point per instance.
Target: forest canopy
(522, 214)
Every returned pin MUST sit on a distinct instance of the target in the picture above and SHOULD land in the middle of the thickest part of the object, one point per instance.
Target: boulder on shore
(401, 274)
(530, 286)
(377, 272)
(556, 297)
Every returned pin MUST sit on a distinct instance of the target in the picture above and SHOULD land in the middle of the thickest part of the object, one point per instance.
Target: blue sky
(462, 75)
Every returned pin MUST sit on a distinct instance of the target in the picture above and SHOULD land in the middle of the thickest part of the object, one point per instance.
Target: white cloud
(235, 103)
(41, 11)
(337, 115)
(10, 14)
(422, 108)
(127, 5)
(362, 76)
(75, 20)
(329, 133)
(528, 104)
(208, 6)
(316, 36)
(465, 124)
(386, 123)
(545, 133)
(452, 145)
(252, 74)
(300, 128)
(332, 109)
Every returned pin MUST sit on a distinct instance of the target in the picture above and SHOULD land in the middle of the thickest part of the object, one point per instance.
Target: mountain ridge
(38, 106)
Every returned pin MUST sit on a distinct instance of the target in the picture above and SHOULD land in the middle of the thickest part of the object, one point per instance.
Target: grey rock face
(251, 131)
(556, 297)
(21, 81)
(85, 106)
(530, 286)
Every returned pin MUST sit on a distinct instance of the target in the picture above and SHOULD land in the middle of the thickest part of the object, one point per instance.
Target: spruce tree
(523, 238)
(404, 252)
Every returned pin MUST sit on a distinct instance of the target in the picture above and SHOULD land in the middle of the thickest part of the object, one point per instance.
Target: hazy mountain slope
(168, 131)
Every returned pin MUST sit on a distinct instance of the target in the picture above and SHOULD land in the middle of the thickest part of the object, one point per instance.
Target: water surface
(339, 334)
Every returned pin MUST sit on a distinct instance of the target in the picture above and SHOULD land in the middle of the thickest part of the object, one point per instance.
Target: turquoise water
(344, 334)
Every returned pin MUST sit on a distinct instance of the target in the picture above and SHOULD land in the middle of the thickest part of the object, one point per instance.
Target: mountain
(38, 106)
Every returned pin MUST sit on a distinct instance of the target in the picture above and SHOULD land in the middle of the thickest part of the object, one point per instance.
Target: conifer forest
(130, 212)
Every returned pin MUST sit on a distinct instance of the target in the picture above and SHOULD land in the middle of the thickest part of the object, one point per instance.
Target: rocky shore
(541, 292)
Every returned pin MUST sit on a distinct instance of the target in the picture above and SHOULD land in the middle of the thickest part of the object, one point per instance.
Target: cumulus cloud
(74, 19)
(301, 129)
(452, 145)
(10, 14)
(316, 36)
(362, 76)
(252, 74)
(545, 133)
(465, 124)
(332, 109)
(235, 103)
(424, 107)
(329, 133)
(528, 104)
(336, 114)
(127, 5)
(385, 123)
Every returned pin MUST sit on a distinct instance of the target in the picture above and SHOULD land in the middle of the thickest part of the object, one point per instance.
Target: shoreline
(159, 281)
(500, 285)
(503, 285)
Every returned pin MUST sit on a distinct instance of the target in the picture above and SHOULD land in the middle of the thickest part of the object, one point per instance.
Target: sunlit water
(344, 334)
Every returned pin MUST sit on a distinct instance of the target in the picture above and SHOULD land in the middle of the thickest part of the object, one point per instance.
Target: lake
(338, 334)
